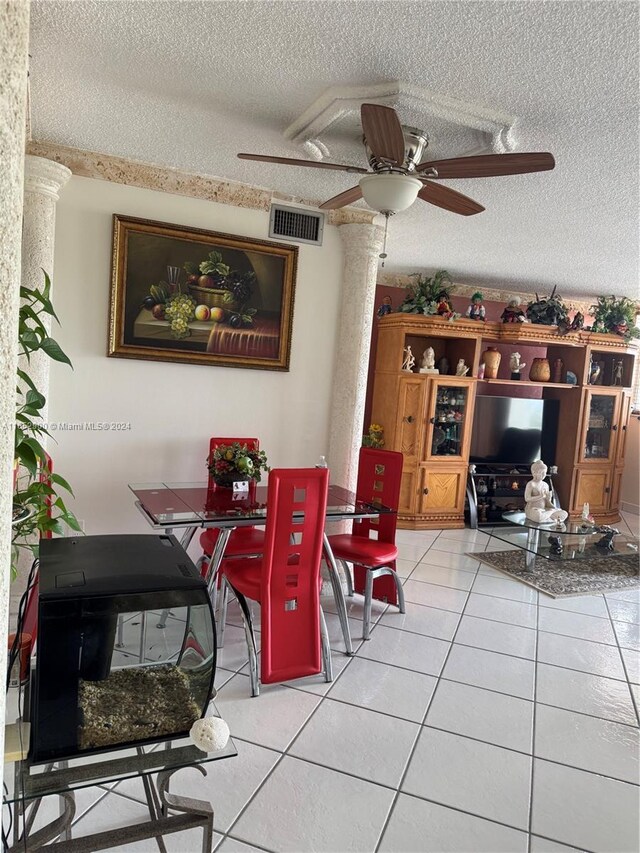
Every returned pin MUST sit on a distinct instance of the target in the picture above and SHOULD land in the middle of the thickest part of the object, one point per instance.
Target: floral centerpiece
(375, 436)
(230, 463)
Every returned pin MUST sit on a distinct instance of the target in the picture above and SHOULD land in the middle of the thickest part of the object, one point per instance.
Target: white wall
(174, 408)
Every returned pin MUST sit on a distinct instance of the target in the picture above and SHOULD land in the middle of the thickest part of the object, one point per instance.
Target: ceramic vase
(540, 370)
(491, 358)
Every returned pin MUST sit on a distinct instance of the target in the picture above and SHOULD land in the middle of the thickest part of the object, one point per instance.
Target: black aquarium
(106, 675)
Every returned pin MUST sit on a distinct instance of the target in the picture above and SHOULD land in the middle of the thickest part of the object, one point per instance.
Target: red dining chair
(286, 582)
(244, 541)
(374, 559)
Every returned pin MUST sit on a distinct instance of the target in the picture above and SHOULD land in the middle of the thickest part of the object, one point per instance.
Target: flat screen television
(514, 430)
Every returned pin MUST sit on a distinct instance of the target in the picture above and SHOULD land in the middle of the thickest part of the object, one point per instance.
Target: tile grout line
(533, 732)
(624, 666)
(415, 743)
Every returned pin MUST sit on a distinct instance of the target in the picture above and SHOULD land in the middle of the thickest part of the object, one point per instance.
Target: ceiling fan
(398, 176)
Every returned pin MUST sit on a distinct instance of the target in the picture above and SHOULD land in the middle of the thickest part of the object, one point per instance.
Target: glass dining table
(185, 507)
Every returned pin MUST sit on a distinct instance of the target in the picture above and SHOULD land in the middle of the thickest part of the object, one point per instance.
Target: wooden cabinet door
(623, 422)
(449, 420)
(408, 490)
(411, 419)
(442, 490)
(616, 488)
(598, 436)
(592, 487)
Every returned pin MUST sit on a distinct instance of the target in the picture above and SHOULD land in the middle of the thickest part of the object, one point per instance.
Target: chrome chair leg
(251, 642)
(163, 619)
(120, 640)
(338, 595)
(348, 578)
(222, 619)
(368, 601)
(326, 650)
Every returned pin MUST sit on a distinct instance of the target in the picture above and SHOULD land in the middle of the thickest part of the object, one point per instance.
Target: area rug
(561, 579)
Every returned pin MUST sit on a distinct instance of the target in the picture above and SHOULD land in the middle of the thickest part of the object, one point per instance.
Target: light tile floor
(488, 718)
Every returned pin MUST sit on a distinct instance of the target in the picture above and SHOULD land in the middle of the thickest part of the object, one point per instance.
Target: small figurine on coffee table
(513, 313)
(606, 543)
(537, 496)
(476, 310)
(516, 365)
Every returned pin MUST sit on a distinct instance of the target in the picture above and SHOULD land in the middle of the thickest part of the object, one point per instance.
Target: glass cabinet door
(599, 434)
(450, 420)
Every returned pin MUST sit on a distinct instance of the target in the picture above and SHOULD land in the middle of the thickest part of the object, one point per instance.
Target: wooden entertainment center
(428, 416)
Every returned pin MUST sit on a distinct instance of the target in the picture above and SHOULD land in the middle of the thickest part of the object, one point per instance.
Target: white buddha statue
(537, 496)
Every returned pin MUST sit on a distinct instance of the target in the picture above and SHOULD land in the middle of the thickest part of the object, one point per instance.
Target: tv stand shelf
(429, 418)
(497, 487)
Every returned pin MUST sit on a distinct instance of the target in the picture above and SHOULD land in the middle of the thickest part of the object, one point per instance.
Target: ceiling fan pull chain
(383, 253)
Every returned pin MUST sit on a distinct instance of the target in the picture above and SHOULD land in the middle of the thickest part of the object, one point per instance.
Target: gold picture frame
(243, 290)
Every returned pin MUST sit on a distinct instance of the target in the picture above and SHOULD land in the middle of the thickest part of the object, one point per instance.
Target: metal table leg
(215, 561)
(533, 539)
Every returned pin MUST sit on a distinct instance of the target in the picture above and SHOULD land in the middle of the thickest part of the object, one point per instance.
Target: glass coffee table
(569, 540)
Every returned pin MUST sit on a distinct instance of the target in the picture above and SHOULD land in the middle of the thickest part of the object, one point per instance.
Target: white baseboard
(627, 507)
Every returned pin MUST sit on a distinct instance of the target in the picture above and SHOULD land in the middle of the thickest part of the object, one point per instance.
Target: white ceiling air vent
(296, 224)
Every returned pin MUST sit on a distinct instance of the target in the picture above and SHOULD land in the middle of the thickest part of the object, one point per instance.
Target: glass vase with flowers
(233, 463)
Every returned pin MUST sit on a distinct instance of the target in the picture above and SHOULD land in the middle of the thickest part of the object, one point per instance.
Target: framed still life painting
(188, 295)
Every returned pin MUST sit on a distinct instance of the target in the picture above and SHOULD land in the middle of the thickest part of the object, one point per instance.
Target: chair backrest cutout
(379, 478)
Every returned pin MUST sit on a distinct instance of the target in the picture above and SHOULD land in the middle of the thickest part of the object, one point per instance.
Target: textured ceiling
(189, 84)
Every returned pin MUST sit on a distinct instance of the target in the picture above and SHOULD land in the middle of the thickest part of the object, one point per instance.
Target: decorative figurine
(558, 367)
(556, 546)
(577, 323)
(443, 365)
(444, 306)
(516, 365)
(594, 372)
(537, 496)
(461, 369)
(481, 487)
(409, 360)
(617, 373)
(386, 307)
(476, 310)
(428, 358)
(513, 313)
(606, 543)
(428, 363)
(571, 378)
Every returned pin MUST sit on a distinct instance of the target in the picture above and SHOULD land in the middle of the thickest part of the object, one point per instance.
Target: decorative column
(14, 26)
(362, 245)
(43, 180)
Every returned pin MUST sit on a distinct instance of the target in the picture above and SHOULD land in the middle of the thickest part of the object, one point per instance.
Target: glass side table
(570, 540)
(154, 764)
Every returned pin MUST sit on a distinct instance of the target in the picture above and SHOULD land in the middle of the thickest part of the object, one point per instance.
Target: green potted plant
(550, 311)
(231, 463)
(38, 507)
(424, 294)
(615, 315)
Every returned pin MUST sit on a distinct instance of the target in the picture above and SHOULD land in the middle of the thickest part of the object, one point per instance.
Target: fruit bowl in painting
(212, 297)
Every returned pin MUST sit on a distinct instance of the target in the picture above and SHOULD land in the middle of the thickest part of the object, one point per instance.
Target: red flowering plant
(229, 462)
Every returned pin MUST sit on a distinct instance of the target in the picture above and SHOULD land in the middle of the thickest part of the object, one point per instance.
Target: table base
(195, 813)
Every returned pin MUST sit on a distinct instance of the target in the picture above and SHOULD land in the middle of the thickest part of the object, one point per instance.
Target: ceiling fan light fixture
(390, 193)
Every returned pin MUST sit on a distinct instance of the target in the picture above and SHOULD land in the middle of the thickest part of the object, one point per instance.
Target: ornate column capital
(45, 177)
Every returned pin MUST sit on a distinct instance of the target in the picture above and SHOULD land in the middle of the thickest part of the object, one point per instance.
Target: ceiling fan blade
(449, 199)
(289, 161)
(383, 132)
(490, 165)
(342, 199)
